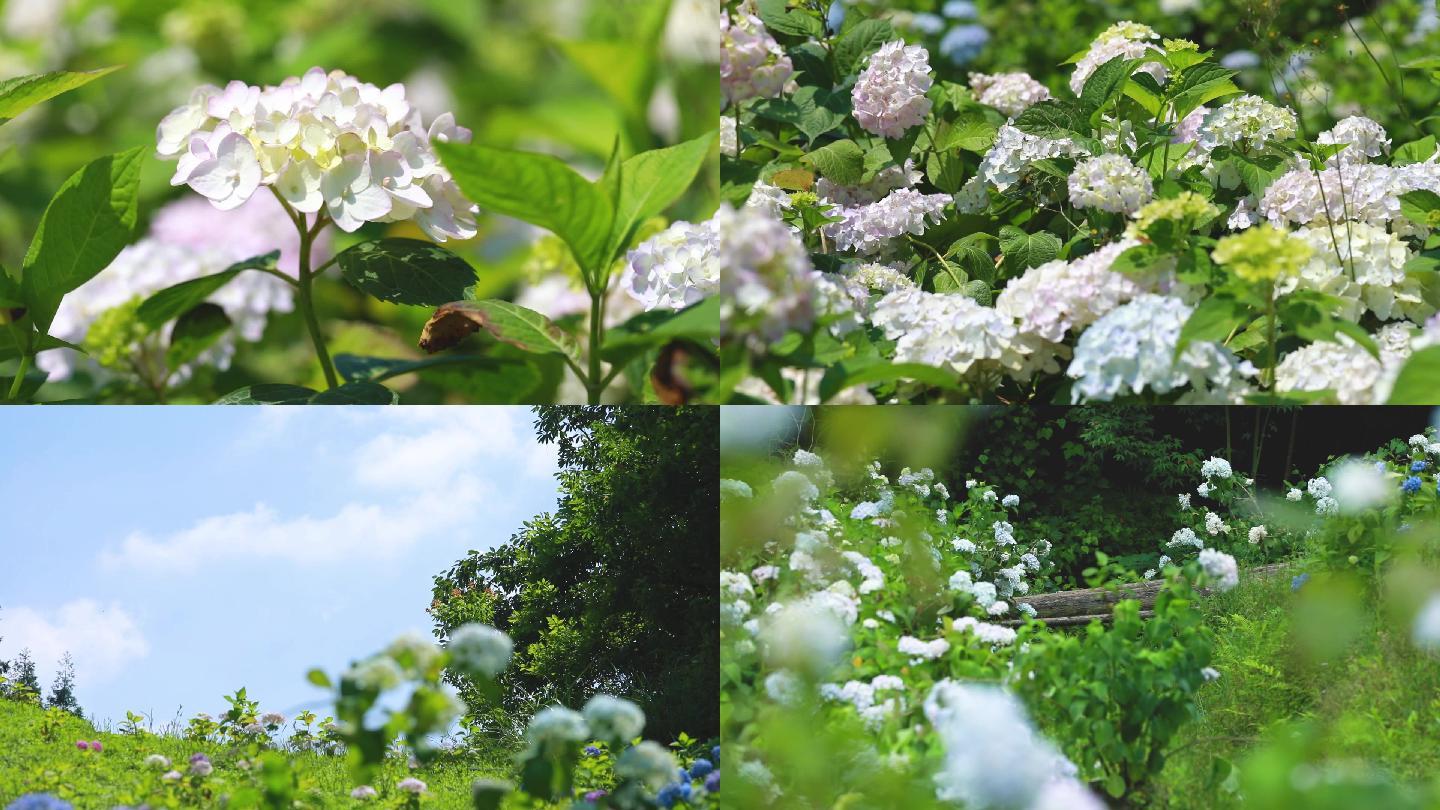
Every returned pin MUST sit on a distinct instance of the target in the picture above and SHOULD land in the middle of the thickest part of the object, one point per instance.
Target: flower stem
(306, 301)
(19, 377)
(1270, 338)
(595, 384)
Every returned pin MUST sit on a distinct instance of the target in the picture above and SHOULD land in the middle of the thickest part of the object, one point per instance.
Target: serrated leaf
(525, 329)
(780, 20)
(406, 271)
(840, 162)
(1054, 119)
(1419, 206)
(846, 374)
(1107, 82)
(1200, 84)
(857, 43)
(1414, 151)
(1023, 250)
(699, 321)
(793, 180)
(971, 132)
(171, 302)
(538, 189)
(651, 181)
(89, 220)
(1213, 320)
(23, 92)
(1138, 259)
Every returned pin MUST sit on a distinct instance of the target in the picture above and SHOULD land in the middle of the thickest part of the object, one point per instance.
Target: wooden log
(1064, 608)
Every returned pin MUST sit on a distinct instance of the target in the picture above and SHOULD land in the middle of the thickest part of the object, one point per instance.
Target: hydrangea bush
(1147, 232)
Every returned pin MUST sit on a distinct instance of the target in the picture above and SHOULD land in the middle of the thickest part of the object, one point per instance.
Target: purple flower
(96, 746)
(194, 758)
(712, 782)
(82, 745)
(39, 801)
(594, 795)
(592, 751)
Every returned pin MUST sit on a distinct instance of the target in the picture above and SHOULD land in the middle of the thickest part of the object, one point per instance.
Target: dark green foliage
(62, 691)
(615, 590)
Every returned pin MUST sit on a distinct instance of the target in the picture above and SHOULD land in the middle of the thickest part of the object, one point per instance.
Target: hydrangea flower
(1215, 467)
(868, 228)
(1009, 159)
(927, 650)
(889, 96)
(675, 268)
(885, 181)
(1363, 137)
(1110, 183)
(1262, 254)
(1247, 123)
(39, 801)
(1343, 367)
(1293, 495)
(648, 763)
(411, 785)
(1060, 297)
(1257, 535)
(363, 793)
(1221, 567)
(1128, 39)
(613, 719)
(1411, 485)
(1367, 272)
(1184, 537)
(1133, 348)
(767, 283)
(752, 63)
(947, 331)
(805, 636)
(479, 650)
(1426, 631)
(551, 728)
(729, 136)
(322, 142)
(1010, 93)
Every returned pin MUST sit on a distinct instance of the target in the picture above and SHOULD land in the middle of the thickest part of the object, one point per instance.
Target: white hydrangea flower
(993, 755)
(479, 650)
(1361, 486)
(676, 267)
(1214, 524)
(1204, 489)
(323, 142)
(985, 632)
(927, 650)
(1110, 183)
(729, 136)
(752, 63)
(1344, 368)
(947, 331)
(872, 276)
(866, 229)
(889, 96)
(1221, 567)
(1426, 632)
(1010, 501)
(1184, 499)
(1188, 130)
(1318, 487)
(1184, 537)
(648, 763)
(889, 179)
(1215, 467)
(1060, 297)
(1133, 348)
(765, 275)
(1293, 495)
(1127, 39)
(771, 200)
(1364, 192)
(1257, 535)
(1010, 157)
(733, 488)
(1010, 93)
(613, 719)
(1368, 273)
(553, 727)
(1365, 138)
(1327, 507)
(1248, 122)
(805, 636)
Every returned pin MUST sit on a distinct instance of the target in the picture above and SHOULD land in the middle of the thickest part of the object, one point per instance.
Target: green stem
(1270, 338)
(19, 377)
(595, 383)
(306, 301)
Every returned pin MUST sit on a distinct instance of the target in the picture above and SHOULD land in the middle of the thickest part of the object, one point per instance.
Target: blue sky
(181, 553)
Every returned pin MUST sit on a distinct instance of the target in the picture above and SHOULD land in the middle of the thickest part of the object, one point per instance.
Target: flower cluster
(1248, 122)
(321, 142)
(889, 97)
(1109, 182)
(752, 63)
(1010, 93)
(867, 229)
(675, 268)
(766, 280)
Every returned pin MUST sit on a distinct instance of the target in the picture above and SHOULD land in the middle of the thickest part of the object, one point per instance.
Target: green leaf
(538, 189)
(846, 374)
(354, 368)
(357, 393)
(1054, 119)
(171, 302)
(89, 220)
(1200, 84)
(194, 332)
(1414, 152)
(1213, 320)
(406, 271)
(946, 171)
(1107, 82)
(268, 394)
(699, 322)
(1419, 380)
(319, 678)
(852, 48)
(525, 329)
(1162, 159)
(971, 131)
(624, 71)
(651, 181)
(23, 92)
(794, 23)
(1258, 172)
(810, 109)
(1418, 206)
(1024, 250)
(840, 162)
(1138, 259)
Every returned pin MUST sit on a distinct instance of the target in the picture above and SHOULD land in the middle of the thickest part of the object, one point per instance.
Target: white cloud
(420, 471)
(103, 640)
(356, 530)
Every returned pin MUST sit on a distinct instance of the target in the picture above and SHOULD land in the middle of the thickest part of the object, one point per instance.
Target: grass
(35, 759)
(1372, 695)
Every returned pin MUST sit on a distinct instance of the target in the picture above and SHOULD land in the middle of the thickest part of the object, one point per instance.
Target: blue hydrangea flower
(592, 751)
(959, 10)
(715, 753)
(1419, 466)
(1411, 484)
(835, 17)
(700, 768)
(963, 43)
(1296, 582)
(39, 801)
(712, 782)
(927, 23)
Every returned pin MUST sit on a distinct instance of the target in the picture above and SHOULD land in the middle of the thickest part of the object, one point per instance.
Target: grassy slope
(1378, 701)
(117, 776)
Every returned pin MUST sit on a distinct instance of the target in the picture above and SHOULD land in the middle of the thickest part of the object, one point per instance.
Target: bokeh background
(566, 77)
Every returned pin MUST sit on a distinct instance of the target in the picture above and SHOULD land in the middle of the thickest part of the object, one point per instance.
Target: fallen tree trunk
(1066, 608)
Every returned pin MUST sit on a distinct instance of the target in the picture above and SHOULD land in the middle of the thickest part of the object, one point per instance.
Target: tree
(62, 691)
(23, 683)
(615, 590)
